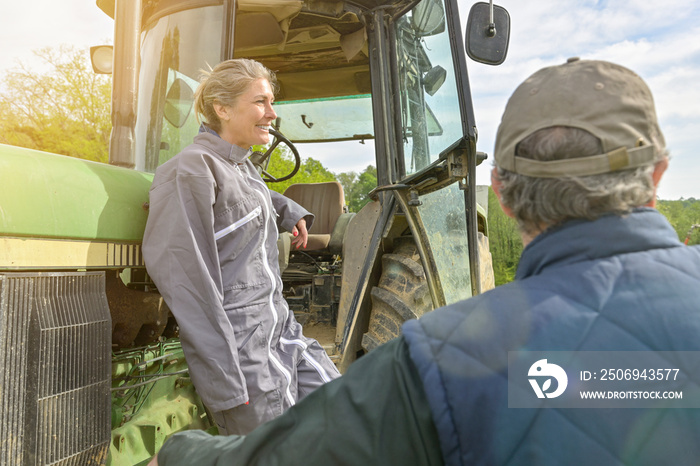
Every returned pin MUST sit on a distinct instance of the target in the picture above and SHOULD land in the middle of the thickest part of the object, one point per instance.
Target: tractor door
(435, 248)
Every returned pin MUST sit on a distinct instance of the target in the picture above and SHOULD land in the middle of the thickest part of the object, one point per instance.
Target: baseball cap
(610, 101)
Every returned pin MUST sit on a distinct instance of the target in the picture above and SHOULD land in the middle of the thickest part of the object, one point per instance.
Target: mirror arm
(492, 24)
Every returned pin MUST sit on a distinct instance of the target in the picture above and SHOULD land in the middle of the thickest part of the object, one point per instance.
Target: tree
(64, 109)
(682, 215)
(357, 187)
(504, 241)
(310, 171)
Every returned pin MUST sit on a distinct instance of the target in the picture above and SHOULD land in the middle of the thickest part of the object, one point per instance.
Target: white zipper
(238, 223)
(310, 359)
(271, 303)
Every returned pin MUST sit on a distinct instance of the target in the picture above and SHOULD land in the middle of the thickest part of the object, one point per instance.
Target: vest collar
(582, 240)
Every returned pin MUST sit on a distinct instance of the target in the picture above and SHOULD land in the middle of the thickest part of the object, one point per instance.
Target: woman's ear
(221, 111)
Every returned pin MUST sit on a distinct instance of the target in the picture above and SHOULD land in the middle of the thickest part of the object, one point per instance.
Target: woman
(211, 247)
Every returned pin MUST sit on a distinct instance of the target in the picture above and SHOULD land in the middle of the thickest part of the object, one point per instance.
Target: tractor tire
(401, 294)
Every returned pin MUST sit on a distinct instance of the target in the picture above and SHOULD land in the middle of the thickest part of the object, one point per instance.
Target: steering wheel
(259, 159)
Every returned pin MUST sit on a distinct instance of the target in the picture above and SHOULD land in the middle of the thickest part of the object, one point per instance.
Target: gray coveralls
(210, 246)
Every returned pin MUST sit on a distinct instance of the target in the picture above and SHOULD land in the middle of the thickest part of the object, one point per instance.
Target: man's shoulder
(488, 322)
(567, 306)
(494, 302)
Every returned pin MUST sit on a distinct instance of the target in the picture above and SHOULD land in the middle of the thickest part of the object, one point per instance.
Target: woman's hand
(300, 234)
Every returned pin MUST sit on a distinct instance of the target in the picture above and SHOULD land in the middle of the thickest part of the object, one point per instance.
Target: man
(578, 157)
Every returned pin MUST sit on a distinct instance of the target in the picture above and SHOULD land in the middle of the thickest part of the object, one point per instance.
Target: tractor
(91, 367)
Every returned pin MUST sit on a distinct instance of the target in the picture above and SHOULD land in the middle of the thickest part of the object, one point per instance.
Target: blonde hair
(225, 84)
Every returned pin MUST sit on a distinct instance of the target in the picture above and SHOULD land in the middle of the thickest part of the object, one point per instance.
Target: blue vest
(614, 284)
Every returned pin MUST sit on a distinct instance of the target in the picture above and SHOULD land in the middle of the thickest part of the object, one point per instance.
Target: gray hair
(537, 203)
(225, 84)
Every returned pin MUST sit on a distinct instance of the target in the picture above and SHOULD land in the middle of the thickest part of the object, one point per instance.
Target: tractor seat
(327, 202)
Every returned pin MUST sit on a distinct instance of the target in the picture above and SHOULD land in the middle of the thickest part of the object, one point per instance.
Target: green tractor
(91, 368)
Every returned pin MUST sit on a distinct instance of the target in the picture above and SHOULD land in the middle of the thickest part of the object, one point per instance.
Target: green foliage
(347, 179)
(357, 187)
(506, 244)
(282, 163)
(64, 109)
(504, 241)
(682, 215)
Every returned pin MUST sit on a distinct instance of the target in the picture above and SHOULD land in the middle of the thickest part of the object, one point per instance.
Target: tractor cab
(383, 82)
(377, 80)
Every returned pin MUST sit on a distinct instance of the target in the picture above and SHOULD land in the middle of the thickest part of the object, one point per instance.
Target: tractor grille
(55, 351)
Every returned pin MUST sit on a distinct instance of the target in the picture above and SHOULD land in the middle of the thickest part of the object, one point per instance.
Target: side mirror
(428, 18)
(178, 103)
(488, 33)
(434, 79)
(101, 58)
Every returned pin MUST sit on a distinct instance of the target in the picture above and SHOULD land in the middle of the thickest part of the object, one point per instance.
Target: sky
(660, 40)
